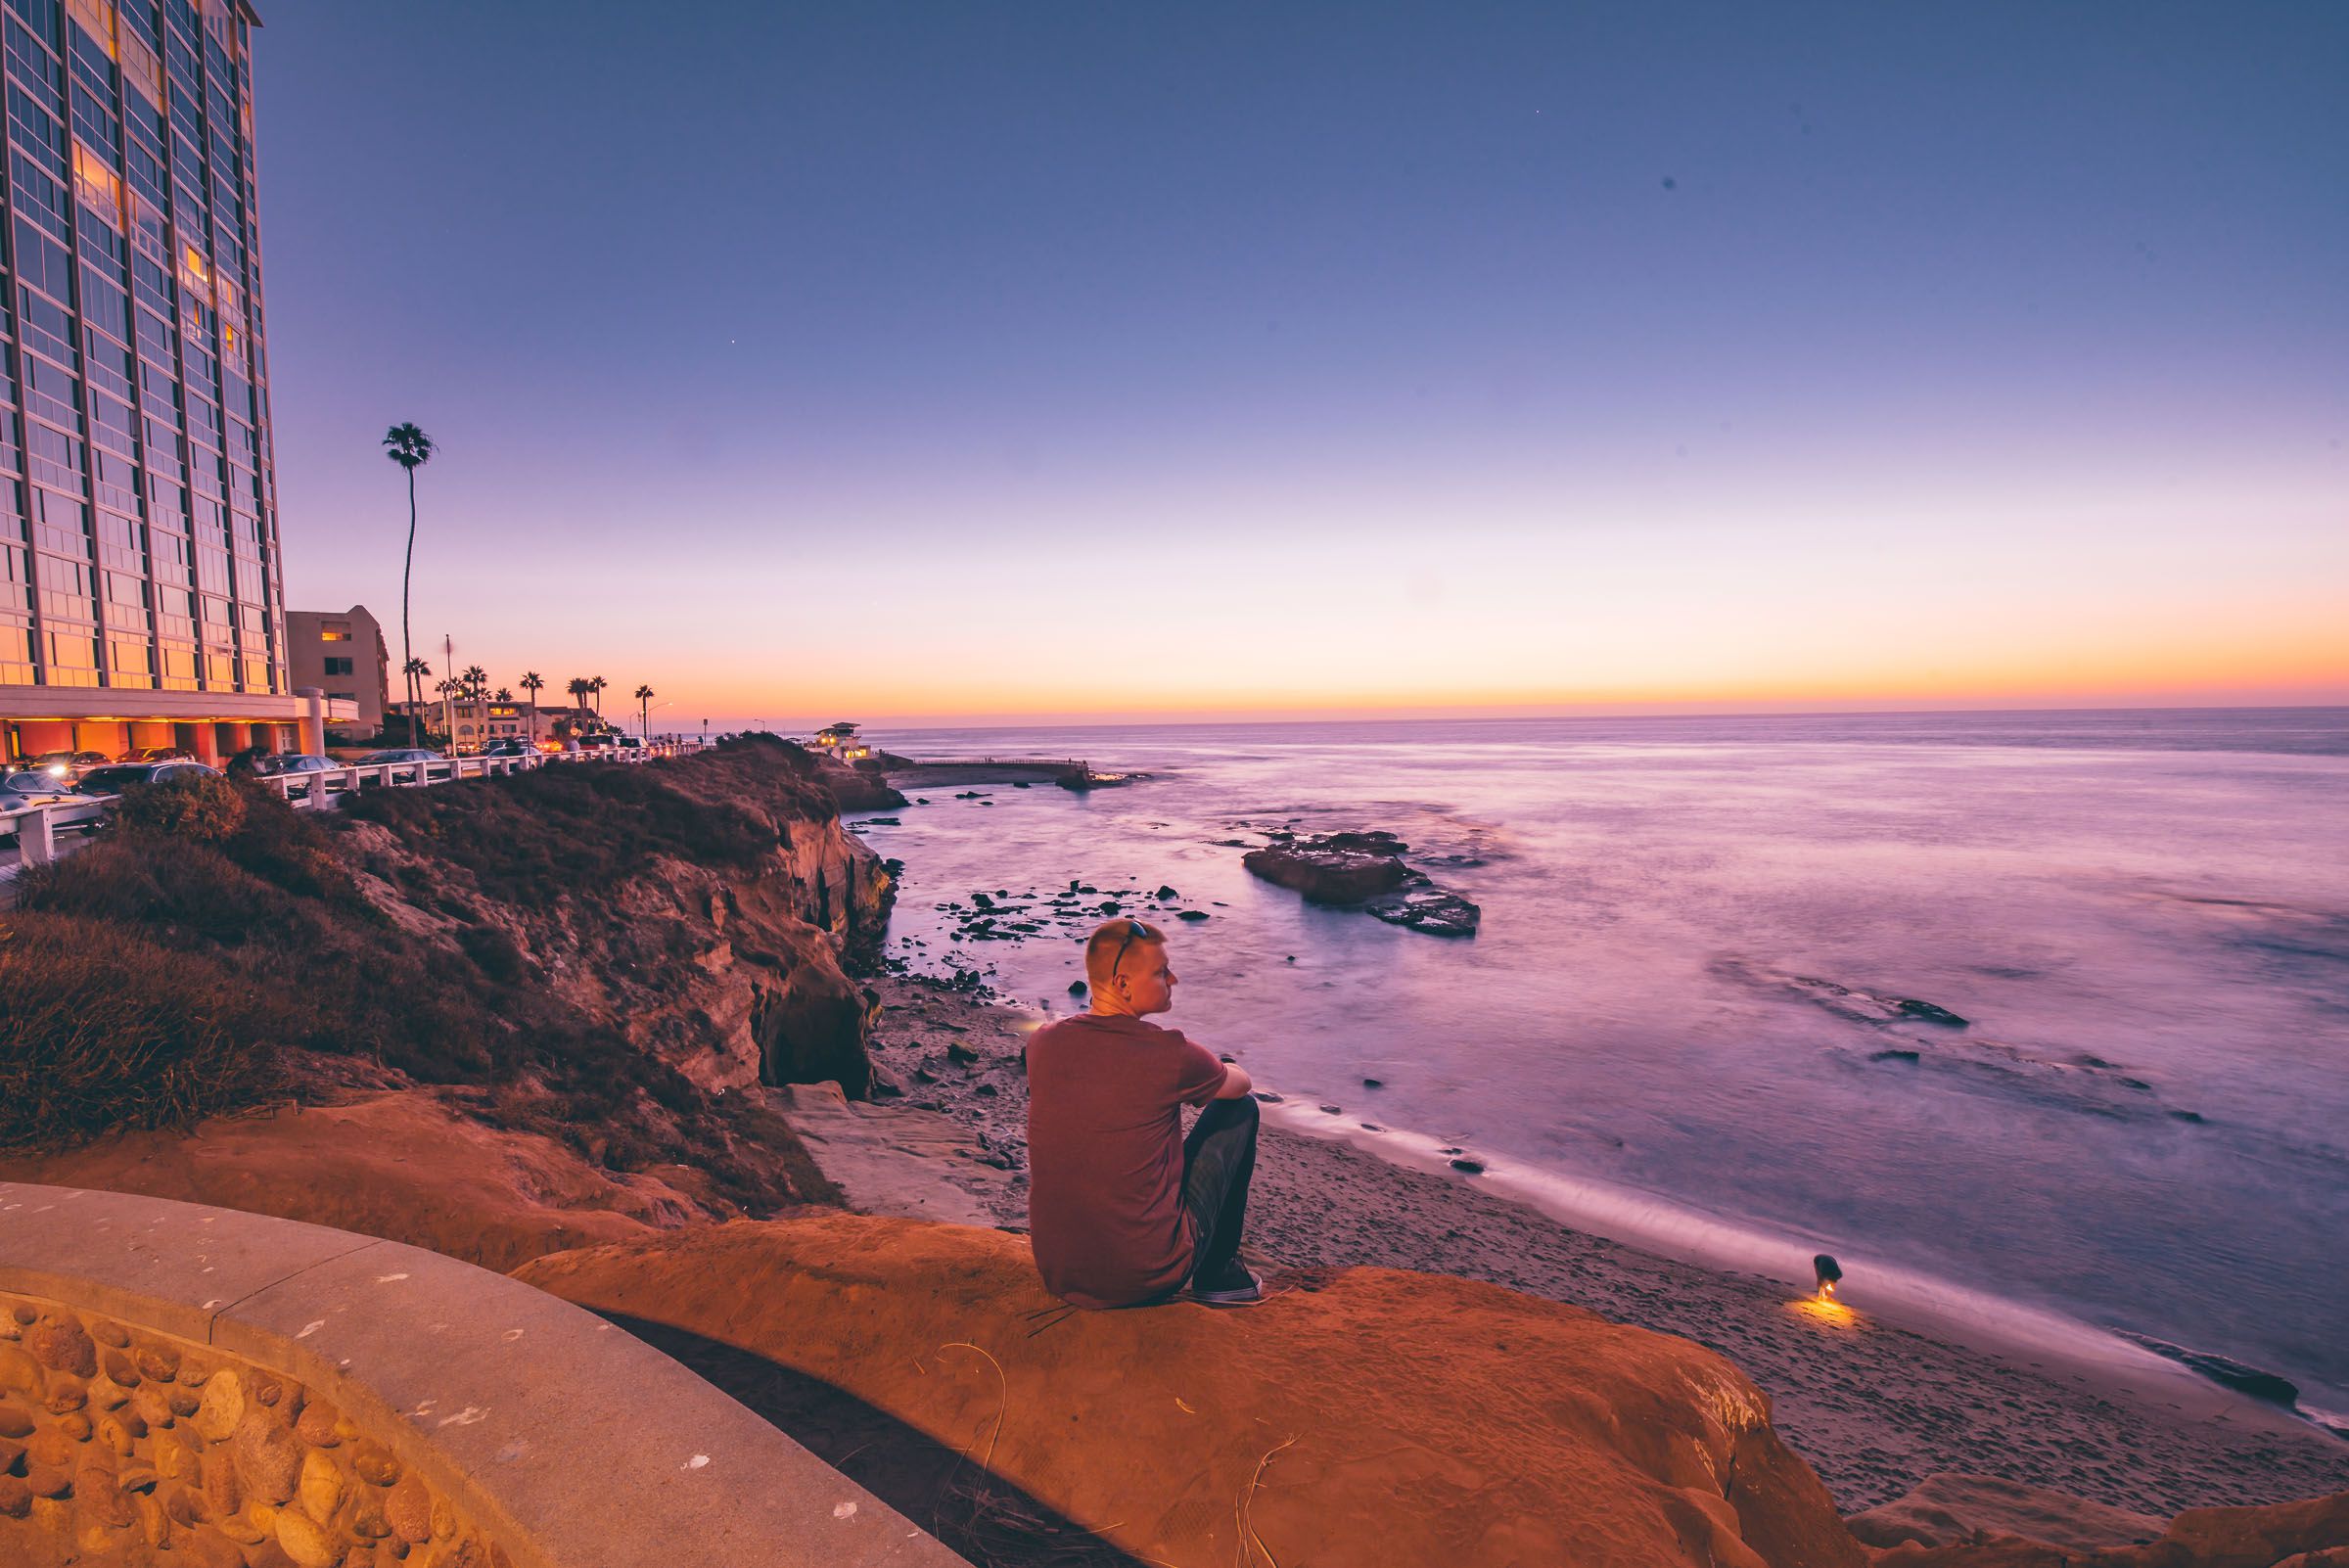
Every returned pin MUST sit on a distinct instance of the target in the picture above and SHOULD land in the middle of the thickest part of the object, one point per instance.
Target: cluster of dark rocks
(1071, 912)
(1363, 870)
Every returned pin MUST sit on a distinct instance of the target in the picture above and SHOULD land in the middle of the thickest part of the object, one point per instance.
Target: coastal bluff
(1364, 1416)
(495, 1018)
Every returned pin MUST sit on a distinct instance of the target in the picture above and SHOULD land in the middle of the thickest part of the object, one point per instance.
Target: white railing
(35, 827)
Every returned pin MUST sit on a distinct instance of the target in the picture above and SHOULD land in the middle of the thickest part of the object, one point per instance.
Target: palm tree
(411, 448)
(578, 689)
(415, 669)
(596, 685)
(644, 712)
(534, 683)
(505, 694)
(476, 682)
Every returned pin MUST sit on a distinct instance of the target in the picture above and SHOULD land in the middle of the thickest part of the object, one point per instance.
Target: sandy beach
(1873, 1408)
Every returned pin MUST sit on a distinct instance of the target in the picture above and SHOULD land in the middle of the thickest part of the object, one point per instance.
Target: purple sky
(1047, 359)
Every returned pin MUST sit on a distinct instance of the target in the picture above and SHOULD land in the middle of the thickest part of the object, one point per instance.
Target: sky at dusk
(988, 360)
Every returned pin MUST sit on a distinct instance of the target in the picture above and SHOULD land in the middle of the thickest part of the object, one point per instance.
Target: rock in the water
(1366, 869)
(1166, 895)
(1076, 987)
(1339, 869)
(1375, 1083)
(1190, 914)
(1266, 1095)
(1439, 914)
(2222, 1369)
(1472, 1166)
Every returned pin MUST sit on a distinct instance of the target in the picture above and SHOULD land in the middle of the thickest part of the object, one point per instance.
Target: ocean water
(2143, 916)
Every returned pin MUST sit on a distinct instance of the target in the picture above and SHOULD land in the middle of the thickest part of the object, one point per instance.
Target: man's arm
(1235, 1083)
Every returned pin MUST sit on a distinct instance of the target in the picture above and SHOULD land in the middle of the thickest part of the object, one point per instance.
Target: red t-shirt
(1105, 1098)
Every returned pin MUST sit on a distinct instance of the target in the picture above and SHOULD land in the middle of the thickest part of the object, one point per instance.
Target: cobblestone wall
(122, 1447)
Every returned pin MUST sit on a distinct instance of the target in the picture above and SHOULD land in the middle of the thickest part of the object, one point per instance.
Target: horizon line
(1498, 714)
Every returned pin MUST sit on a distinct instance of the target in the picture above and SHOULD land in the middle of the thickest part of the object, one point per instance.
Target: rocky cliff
(542, 1005)
(722, 947)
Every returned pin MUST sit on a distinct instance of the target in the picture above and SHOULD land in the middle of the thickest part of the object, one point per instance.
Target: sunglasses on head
(1135, 931)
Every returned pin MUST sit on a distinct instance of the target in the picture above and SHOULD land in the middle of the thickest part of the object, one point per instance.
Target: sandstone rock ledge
(1369, 1417)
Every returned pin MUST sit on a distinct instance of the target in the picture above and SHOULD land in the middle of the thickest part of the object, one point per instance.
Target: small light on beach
(1829, 1274)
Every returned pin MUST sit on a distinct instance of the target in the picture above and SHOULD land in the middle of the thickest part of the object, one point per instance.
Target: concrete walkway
(576, 1444)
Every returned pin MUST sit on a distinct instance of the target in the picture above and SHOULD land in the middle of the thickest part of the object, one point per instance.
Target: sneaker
(1237, 1286)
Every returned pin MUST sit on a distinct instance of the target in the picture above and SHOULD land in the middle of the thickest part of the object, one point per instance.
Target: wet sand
(1873, 1408)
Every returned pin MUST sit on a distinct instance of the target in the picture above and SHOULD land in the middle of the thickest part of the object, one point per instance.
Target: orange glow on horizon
(2183, 683)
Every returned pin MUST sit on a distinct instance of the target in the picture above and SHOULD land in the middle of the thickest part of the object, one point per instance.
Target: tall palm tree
(415, 669)
(644, 712)
(534, 683)
(578, 689)
(411, 448)
(596, 685)
(474, 685)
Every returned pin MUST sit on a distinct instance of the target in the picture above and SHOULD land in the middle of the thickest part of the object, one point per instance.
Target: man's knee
(1239, 1112)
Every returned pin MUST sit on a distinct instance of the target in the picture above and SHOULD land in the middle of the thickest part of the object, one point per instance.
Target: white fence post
(35, 845)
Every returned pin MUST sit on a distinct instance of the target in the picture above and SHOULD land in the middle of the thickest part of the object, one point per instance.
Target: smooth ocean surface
(2144, 916)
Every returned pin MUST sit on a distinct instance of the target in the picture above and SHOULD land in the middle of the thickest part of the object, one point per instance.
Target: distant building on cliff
(840, 740)
(141, 591)
(343, 655)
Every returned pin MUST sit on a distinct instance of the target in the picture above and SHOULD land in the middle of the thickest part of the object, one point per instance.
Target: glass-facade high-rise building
(141, 599)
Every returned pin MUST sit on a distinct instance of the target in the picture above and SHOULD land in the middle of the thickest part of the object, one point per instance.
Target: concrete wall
(369, 682)
(223, 1387)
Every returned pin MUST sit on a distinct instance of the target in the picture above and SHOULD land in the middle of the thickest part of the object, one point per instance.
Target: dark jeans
(1217, 1160)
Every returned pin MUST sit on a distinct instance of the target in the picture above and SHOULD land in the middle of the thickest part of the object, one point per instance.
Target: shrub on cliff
(101, 1028)
(534, 838)
(197, 808)
(174, 974)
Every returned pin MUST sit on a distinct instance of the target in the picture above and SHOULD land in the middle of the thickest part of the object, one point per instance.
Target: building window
(331, 632)
(339, 667)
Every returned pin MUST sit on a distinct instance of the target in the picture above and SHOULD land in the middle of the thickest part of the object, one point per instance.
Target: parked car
(401, 753)
(156, 753)
(115, 777)
(285, 762)
(509, 748)
(628, 743)
(25, 788)
(69, 765)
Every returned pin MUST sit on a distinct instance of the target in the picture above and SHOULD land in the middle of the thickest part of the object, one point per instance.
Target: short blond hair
(1102, 954)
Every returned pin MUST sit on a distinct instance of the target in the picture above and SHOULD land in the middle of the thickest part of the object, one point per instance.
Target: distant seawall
(201, 1380)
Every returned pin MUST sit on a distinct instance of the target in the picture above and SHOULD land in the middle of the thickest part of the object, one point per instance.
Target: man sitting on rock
(1122, 1208)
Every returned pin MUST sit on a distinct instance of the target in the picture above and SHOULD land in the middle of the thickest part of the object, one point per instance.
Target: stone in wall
(123, 1447)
